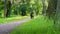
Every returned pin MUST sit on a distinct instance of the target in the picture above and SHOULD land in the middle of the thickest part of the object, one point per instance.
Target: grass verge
(11, 19)
(40, 25)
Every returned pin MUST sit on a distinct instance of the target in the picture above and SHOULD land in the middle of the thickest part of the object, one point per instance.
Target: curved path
(6, 28)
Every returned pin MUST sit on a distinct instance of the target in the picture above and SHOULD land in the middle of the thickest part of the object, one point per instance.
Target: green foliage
(1, 5)
(17, 5)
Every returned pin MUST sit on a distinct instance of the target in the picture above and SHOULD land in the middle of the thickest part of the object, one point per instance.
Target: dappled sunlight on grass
(10, 19)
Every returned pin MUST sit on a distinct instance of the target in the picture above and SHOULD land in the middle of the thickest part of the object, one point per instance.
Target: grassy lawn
(39, 25)
(11, 19)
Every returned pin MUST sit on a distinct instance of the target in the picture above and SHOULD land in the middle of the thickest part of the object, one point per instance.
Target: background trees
(19, 7)
(24, 7)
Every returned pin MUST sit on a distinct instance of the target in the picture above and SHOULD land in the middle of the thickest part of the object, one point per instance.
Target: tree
(24, 7)
(8, 8)
(51, 10)
(32, 14)
(23, 10)
(44, 7)
(57, 16)
(5, 8)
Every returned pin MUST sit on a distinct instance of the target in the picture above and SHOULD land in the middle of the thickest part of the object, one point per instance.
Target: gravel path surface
(6, 28)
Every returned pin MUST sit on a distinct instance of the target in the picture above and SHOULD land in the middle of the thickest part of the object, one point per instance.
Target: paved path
(6, 28)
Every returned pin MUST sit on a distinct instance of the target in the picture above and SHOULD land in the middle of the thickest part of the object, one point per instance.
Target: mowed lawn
(40, 25)
(11, 19)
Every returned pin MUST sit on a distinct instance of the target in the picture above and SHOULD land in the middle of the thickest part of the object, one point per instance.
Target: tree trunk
(44, 7)
(5, 8)
(51, 8)
(8, 9)
(57, 17)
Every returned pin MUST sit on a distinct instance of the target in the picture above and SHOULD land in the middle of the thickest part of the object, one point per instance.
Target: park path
(7, 28)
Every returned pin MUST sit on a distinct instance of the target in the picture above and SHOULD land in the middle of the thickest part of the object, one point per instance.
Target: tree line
(23, 7)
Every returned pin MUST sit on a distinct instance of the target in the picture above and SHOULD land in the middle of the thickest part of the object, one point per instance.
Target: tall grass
(40, 25)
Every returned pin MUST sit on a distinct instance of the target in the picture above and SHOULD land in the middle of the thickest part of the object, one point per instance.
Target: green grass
(40, 25)
(11, 19)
